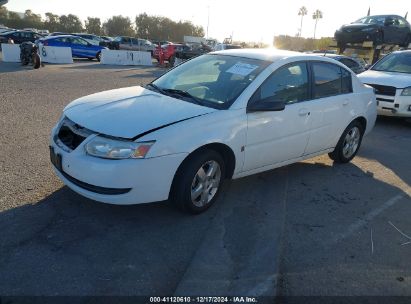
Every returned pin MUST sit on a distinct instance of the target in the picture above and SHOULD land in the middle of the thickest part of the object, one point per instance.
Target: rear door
(403, 30)
(125, 43)
(80, 48)
(277, 136)
(332, 95)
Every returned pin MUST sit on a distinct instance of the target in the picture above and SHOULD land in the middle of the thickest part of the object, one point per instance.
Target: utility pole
(208, 19)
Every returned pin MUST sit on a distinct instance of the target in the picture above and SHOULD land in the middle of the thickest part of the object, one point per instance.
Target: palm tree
(302, 12)
(317, 15)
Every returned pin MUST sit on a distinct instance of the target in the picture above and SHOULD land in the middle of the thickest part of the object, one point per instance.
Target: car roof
(59, 36)
(268, 54)
(381, 16)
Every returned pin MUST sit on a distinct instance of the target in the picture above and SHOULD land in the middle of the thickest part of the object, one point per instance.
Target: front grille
(385, 99)
(384, 90)
(71, 135)
(69, 138)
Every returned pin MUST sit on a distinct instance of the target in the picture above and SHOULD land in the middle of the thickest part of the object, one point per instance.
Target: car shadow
(390, 145)
(68, 245)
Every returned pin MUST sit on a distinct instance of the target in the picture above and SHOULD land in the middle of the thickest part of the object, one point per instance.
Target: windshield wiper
(157, 88)
(185, 94)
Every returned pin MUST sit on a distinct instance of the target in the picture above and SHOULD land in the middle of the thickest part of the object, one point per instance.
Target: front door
(278, 136)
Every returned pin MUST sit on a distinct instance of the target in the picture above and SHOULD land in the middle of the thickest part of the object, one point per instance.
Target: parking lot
(312, 228)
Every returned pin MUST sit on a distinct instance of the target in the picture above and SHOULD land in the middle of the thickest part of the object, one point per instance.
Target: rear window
(330, 80)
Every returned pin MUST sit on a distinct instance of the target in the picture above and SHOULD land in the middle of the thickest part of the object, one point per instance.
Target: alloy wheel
(205, 183)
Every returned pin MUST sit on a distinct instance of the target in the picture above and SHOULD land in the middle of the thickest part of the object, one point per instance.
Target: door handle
(346, 102)
(304, 112)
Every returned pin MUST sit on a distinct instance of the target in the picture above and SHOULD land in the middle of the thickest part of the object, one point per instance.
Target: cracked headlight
(104, 147)
(406, 92)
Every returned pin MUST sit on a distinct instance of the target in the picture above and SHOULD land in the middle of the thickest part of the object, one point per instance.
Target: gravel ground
(312, 228)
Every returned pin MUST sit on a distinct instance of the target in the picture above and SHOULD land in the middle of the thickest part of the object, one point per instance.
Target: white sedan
(222, 115)
(391, 79)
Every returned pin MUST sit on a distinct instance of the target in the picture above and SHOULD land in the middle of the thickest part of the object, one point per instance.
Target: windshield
(372, 20)
(215, 80)
(395, 62)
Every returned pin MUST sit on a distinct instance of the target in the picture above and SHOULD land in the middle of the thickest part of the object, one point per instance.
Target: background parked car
(169, 51)
(380, 29)
(19, 36)
(391, 79)
(93, 39)
(134, 44)
(355, 65)
(224, 46)
(80, 48)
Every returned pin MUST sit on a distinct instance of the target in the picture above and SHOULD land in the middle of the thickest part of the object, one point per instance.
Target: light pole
(208, 19)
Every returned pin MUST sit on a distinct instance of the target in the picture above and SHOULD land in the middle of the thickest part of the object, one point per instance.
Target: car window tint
(79, 41)
(134, 41)
(330, 80)
(346, 81)
(288, 84)
(402, 22)
(349, 63)
(126, 40)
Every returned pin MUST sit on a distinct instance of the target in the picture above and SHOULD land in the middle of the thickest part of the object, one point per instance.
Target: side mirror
(266, 105)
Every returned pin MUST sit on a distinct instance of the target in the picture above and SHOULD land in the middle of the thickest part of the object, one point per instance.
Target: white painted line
(354, 227)
(399, 230)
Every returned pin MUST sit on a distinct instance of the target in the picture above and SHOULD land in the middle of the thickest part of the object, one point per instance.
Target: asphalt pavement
(312, 228)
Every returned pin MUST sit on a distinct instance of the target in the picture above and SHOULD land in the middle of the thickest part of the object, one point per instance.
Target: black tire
(338, 154)
(407, 41)
(186, 177)
(36, 61)
(98, 56)
(171, 60)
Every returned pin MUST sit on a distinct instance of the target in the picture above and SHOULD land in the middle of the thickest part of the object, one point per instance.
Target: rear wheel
(36, 61)
(98, 56)
(349, 143)
(198, 181)
(407, 41)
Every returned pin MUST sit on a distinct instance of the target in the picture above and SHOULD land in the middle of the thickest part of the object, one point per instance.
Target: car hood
(130, 112)
(398, 80)
(353, 27)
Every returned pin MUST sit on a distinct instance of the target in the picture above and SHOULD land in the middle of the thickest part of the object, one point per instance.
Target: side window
(134, 41)
(288, 84)
(126, 40)
(349, 63)
(330, 80)
(402, 22)
(346, 82)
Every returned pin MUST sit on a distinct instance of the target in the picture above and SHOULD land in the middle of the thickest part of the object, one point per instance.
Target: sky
(256, 20)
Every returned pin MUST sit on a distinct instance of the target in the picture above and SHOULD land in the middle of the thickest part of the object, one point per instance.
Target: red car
(169, 51)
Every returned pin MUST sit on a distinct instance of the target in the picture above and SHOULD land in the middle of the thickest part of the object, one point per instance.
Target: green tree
(93, 26)
(317, 15)
(32, 20)
(163, 28)
(14, 20)
(70, 24)
(4, 14)
(118, 26)
(52, 22)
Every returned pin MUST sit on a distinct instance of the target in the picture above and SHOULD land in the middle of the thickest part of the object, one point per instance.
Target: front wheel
(98, 56)
(349, 143)
(198, 181)
(36, 61)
